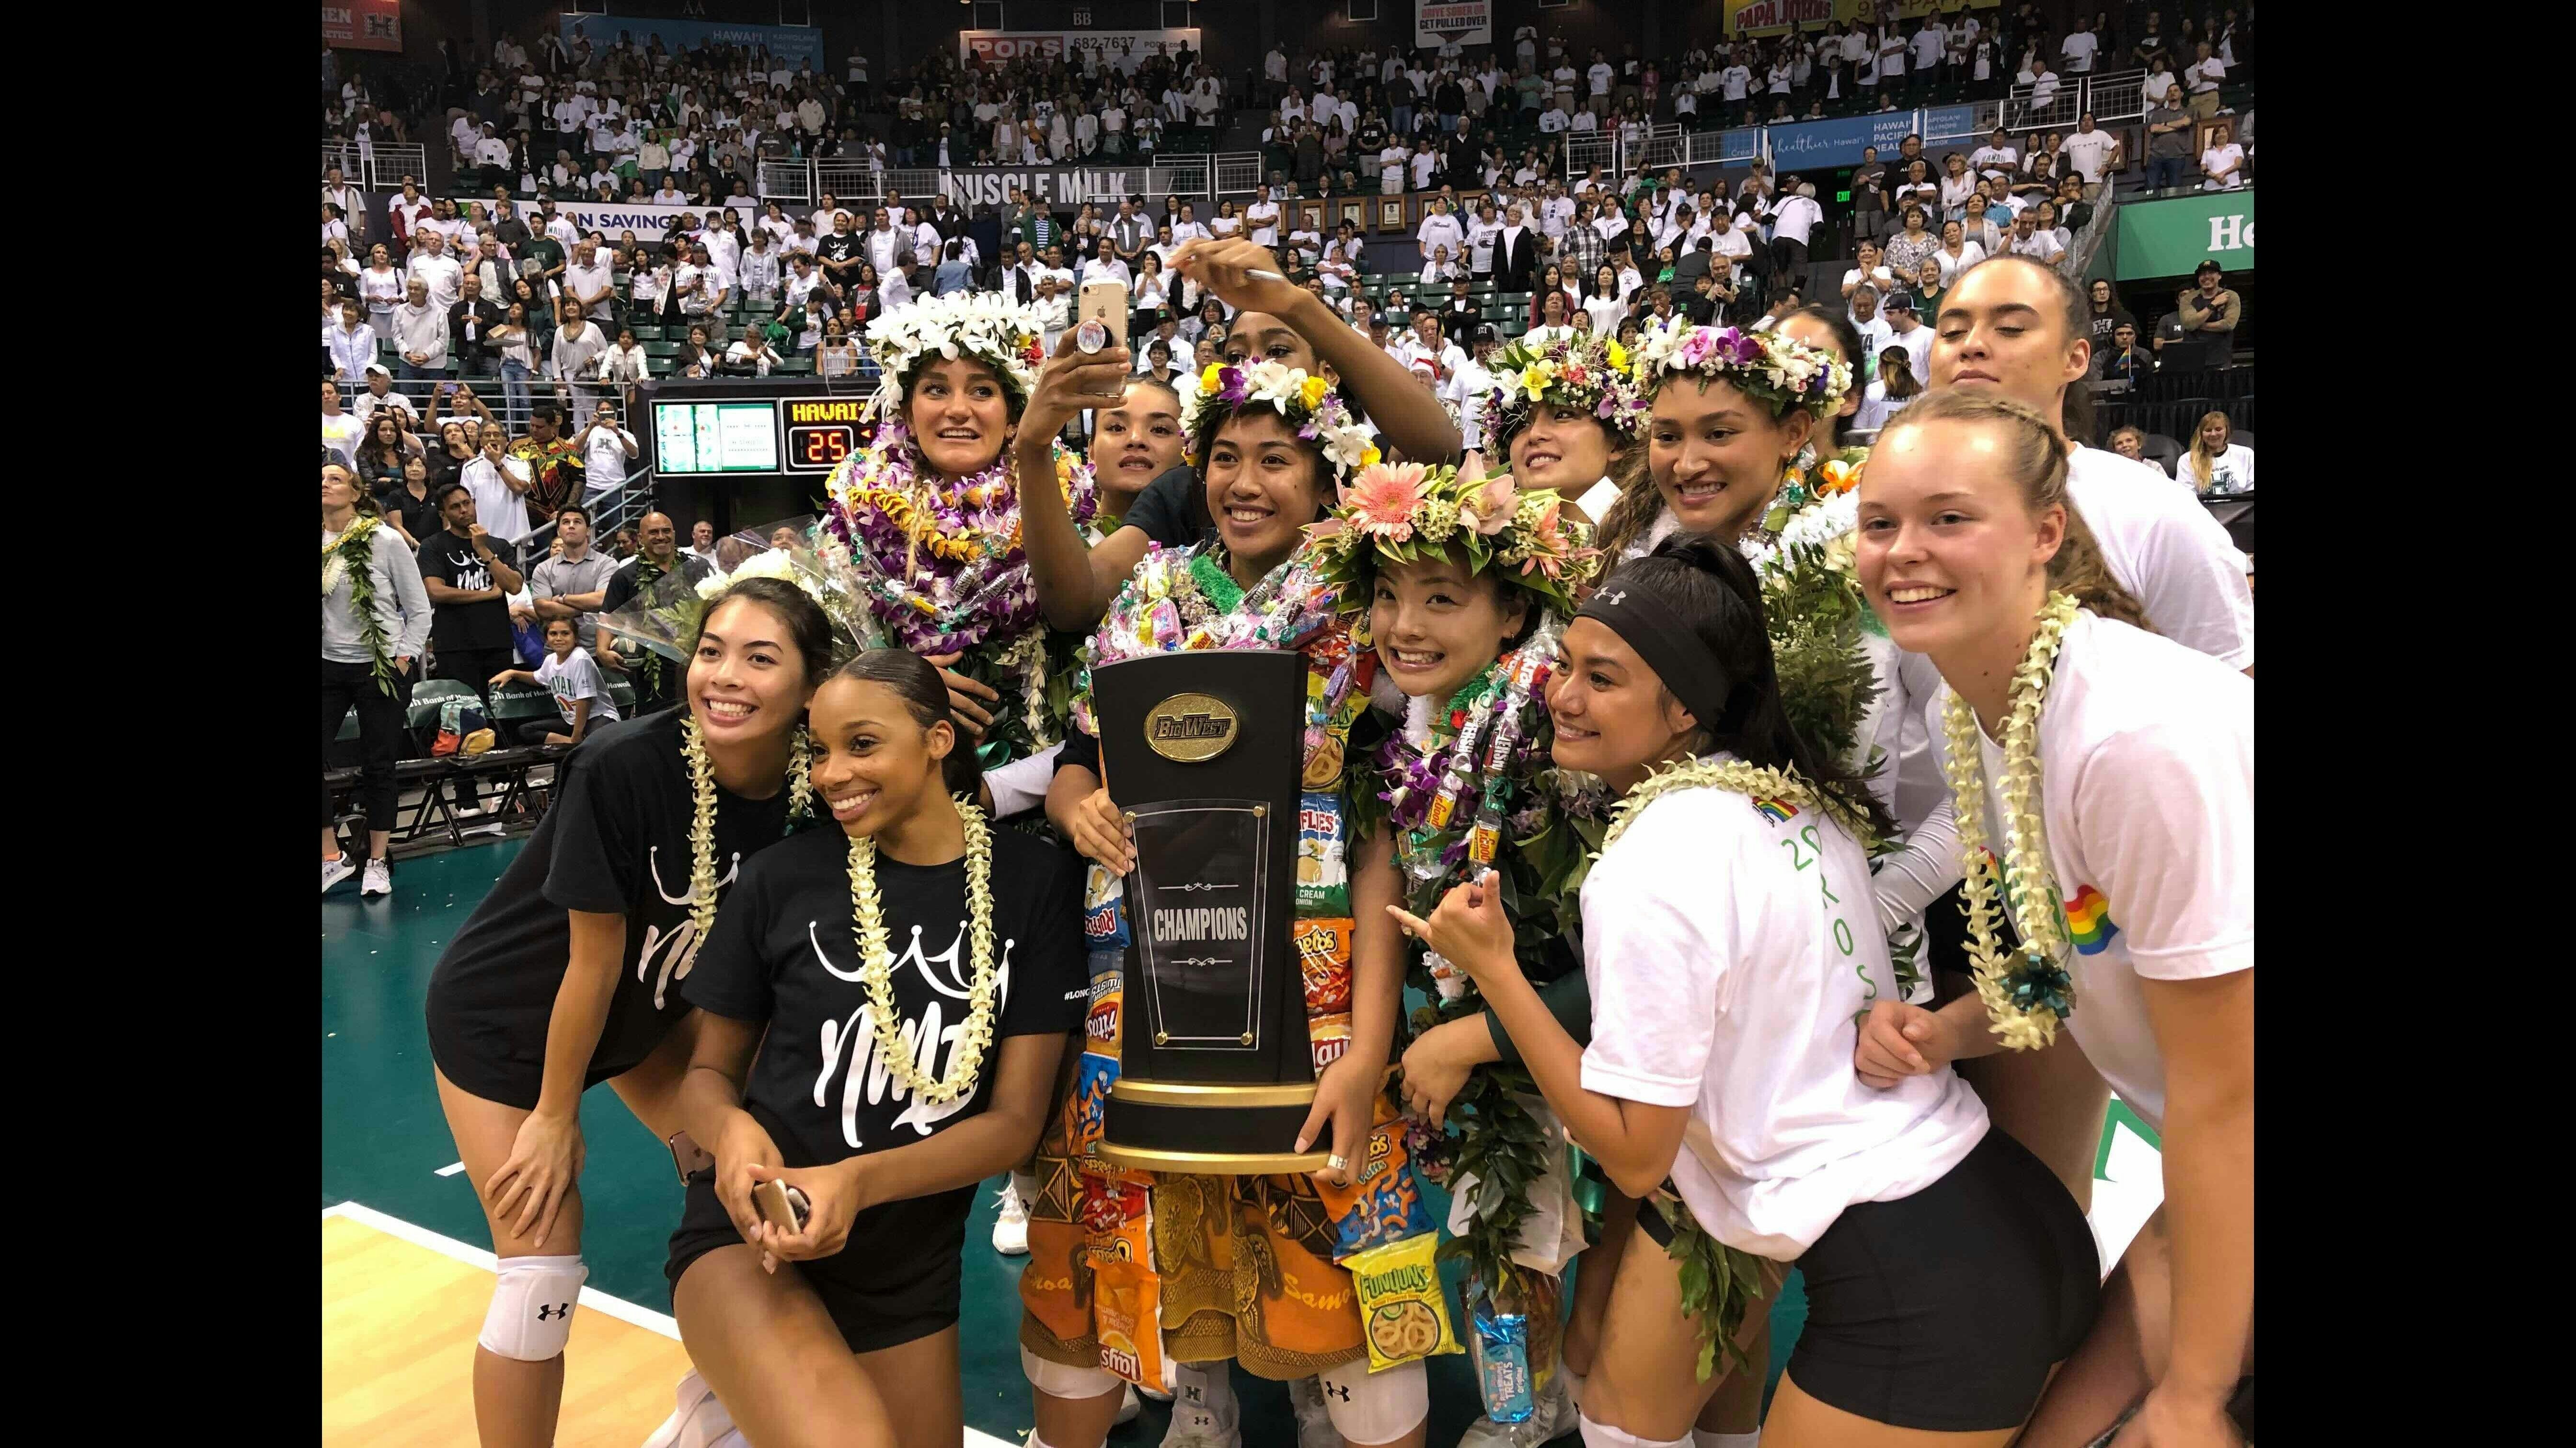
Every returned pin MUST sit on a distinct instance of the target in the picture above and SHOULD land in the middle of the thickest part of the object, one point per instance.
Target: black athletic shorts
(1944, 1311)
(880, 1294)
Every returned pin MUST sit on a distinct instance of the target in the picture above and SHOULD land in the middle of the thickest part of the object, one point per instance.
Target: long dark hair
(925, 698)
(1714, 587)
(808, 627)
(1846, 341)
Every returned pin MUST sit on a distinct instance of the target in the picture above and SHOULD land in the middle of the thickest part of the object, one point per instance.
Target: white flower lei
(876, 961)
(1735, 776)
(987, 326)
(702, 814)
(2026, 869)
(1820, 524)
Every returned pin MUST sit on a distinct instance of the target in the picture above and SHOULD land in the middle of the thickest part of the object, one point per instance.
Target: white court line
(451, 1169)
(591, 1297)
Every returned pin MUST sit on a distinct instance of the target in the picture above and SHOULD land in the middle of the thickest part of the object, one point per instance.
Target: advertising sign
(1770, 17)
(1059, 186)
(1121, 50)
(2170, 238)
(363, 25)
(1822, 145)
(600, 216)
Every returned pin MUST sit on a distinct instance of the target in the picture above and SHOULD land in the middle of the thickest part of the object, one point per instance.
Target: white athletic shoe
(699, 1421)
(336, 869)
(1011, 1226)
(1551, 1416)
(1314, 1422)
(379, 880)
(1195, 1427)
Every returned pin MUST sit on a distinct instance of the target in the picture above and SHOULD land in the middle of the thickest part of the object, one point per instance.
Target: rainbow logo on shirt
(2088, 921)
(1777, 811)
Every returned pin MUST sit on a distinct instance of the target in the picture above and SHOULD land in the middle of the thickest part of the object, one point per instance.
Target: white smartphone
(1106, 304)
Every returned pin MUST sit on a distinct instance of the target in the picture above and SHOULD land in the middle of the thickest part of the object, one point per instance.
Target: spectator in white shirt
(2223, 164)
(2202, 79)
(2093, 154)
(2079, 47)
(607, 448)
(433, 265)
(1439, 231)
(420, 332)
(1998, 159)
(499, 484)
(575, 354)
(2029, 240)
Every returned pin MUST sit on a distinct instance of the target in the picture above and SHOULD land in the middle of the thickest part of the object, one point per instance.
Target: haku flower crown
(1308, 403)
(1403, 512)
(1767, 366)
(985, 326)
(1571, 374)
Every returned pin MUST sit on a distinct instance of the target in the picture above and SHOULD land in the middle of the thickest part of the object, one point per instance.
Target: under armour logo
(1337, 1390)
(1615, 599)
(547, 1310)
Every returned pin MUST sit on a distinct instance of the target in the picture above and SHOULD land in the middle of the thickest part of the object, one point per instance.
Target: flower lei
(1571, 374)
(1404, 512)
(1766, 366)
(352, 555)
(1308, 403)
(2028, 993)
(876, 960)
(938, 565)
(986, 326)
(702, 814)
(1719, 1282)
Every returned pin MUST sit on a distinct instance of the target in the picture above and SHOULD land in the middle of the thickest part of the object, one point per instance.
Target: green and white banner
(2170, 238)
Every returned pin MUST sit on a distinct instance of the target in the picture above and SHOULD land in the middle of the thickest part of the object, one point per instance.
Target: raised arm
(1074, 580)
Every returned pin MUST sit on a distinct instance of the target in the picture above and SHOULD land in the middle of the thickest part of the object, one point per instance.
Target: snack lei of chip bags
(1404, 1313)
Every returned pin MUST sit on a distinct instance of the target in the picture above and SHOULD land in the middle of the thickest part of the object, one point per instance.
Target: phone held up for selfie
(1100, 320)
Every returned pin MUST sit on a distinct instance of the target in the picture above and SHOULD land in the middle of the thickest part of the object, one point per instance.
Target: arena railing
(378, 166)
(1238, 173)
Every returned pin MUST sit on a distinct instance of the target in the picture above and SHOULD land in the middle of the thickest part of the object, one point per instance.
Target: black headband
(1669, 646)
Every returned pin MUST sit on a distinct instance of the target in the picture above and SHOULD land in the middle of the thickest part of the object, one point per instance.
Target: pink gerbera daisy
(1383, 498)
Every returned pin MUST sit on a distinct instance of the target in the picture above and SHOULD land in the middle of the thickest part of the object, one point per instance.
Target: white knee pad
(1059, 1381)
(531, 1316)
(1369, 1407)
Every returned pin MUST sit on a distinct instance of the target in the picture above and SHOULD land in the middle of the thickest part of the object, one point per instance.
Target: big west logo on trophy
(1191, 728)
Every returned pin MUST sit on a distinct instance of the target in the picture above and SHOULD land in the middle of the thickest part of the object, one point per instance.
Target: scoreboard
(703, 437)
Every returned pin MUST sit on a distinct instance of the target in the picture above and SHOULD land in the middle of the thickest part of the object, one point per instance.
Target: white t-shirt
(2078, 52)
(2218, 158)
(574, 677)
(1796, 217)
(2162, 545)
(1919, 343)
(2146, 755)
(1728, 947)
(1599, 77)
(2087, 150)
(1876, 407)
(340, 433)
(2231, 471)
(503, 513)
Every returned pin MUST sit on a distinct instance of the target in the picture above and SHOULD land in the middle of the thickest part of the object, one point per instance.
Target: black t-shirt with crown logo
(616, 842)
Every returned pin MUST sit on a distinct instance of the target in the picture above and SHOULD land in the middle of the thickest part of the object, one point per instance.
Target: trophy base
(1208, 1130)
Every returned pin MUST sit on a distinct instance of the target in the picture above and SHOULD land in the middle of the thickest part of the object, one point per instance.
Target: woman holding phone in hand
(806, 1012)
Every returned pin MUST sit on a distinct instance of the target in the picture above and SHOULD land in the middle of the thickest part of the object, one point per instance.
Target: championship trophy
(1203, 751)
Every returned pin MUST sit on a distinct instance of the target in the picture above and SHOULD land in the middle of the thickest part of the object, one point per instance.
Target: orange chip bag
(1127, 1312)
(1404, 1312)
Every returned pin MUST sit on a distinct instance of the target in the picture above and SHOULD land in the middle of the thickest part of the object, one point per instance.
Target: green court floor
(384, 1142)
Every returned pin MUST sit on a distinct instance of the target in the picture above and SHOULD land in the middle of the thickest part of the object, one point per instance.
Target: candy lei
(702, 815)
(1180, 599)
(876, 965)
(352, 555)
(1471, 755)
(2028, 993)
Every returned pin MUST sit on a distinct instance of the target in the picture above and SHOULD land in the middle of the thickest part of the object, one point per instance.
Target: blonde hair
(2200, 448)
(2036, 459)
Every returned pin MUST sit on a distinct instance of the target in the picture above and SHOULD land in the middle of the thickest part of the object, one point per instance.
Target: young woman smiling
(563, 977)
(1565, 412)
(1274, 321)
(1244, 588)
(2131, 757)
(1454, 572)
(805, 1012)
(1728, 954)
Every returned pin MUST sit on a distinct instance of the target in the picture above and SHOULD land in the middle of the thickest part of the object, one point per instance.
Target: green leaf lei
(1546, 849)
(355, 551)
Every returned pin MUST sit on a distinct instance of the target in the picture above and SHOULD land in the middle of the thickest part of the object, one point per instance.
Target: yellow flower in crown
(1369, 456)
(1312, 393)
(1618, 356)
(1536, 378)
(1211, 379)
(1836, 476)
